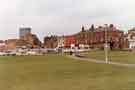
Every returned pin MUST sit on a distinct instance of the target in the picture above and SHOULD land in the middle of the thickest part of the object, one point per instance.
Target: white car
(31, 53)
(52, 50)
(68, 50)
(80, 50)
(2, 54)
(10, 52)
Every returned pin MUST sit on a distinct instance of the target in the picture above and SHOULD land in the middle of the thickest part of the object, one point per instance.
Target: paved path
(100, 61)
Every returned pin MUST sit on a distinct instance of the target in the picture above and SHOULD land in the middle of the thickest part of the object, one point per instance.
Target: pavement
(100, 61)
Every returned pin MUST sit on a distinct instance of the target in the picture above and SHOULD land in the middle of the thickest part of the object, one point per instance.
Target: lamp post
(106, 45)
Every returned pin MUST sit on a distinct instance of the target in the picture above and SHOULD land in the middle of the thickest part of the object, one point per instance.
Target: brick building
(33, 40)
(14, 43)
(70, 41)
(50, 42)
(92, 37)
(3, 46)
(95, 37)
(29, 40)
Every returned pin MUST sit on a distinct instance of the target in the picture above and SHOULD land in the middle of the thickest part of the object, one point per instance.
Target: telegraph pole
(106, 44)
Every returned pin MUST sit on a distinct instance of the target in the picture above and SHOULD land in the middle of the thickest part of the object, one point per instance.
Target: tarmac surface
(100, 61)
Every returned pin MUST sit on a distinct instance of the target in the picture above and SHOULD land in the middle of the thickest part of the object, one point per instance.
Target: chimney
(92, 28)
(83, 29)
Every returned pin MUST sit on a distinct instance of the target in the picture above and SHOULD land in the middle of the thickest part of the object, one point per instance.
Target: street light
(106, 45)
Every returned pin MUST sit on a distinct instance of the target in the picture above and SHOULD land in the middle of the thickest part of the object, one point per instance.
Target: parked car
(80, 55)
(31, 53)
(68, 50)
(52, 50)
(21, 53)
(10, 53)
(43, 51)
(2, 53)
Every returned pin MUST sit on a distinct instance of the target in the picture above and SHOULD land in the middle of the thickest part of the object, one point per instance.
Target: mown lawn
(115, 56)
(56, 72)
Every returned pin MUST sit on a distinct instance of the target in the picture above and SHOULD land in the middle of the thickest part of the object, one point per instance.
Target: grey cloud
(46, 7)
(63, 16)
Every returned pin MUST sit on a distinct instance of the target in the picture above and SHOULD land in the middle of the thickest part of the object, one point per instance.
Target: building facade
(70, 41)
(95, 37)
(61, 41)
(24, 31)
(15, 43)
(33, 40)
(29, 41)
(131, 38)
(50, 42)
(3, 46)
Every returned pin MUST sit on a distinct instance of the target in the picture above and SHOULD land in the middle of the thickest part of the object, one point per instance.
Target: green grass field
(114, 56)
(56, 72)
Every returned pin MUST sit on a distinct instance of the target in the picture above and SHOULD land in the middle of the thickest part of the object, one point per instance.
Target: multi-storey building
(131, 38)
(92, 37)
(27, 39)
(15, 43)
(33, 40)
(95, 37)
(61, 41)
(50, 42)
(24, 31)
(3, 46)
(70, 41)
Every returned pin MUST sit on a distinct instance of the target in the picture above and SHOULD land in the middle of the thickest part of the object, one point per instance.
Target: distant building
(28, 37)
(61, 41)
(131, 38)
(50, 42)
(28, 41)
(15, 43)
(95, 37)
(33, 40)
(11, 43)
(24, 31)
(125, 41)
(70, 41)
(3, 46)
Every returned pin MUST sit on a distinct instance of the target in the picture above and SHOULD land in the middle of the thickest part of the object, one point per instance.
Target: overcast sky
(63, 16)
